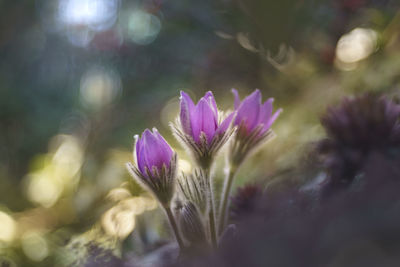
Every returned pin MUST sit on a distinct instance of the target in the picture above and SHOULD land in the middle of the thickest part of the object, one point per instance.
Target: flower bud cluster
(203, 131)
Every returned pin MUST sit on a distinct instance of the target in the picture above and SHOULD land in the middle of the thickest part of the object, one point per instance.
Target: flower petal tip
(236, 96)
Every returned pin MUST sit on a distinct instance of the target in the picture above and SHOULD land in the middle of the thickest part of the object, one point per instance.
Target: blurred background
(78, 78)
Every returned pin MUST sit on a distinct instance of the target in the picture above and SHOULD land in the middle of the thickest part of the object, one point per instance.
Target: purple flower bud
(251, 114)
(201, 118)
(152, 151)
(155, 166)
(253, 120)
(200, 129)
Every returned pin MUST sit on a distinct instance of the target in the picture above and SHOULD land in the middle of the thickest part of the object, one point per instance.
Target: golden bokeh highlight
(34, 246)
(99, 87)
(43, 189)
(8, 227)
(118, 194)
(119, 221)
(355, 46)
(58, 172)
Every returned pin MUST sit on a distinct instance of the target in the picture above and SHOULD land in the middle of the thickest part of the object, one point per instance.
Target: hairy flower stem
(174, 226)
(213, 230)
(211, 212)
(225, 196)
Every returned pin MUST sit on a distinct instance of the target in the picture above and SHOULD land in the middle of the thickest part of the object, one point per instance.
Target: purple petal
(188, 99)
(237, 99)
(165, 150)
(187, 108)
(204, 121)
(272, 120)
(139, 150)
(266, 111)
(142, 155)
(225, 124)
(153, 154)
(248, 111)
(211, 101)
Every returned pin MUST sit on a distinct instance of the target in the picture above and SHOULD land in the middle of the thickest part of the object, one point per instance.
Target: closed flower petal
(273, 118)
(211, 101)
(198, 128)
(152, 150)
(165, 151)
(187, 109)
(205, 121)
(155, 166)
(265, 114)
(225, 124)
(254, 121)
(266, 111)
(139, 151)
(252, 114)
(249, 110)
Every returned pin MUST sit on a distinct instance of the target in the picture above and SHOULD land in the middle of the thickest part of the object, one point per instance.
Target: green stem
(174, 226)
(211, 212)
(225, 196)
(211, 216)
